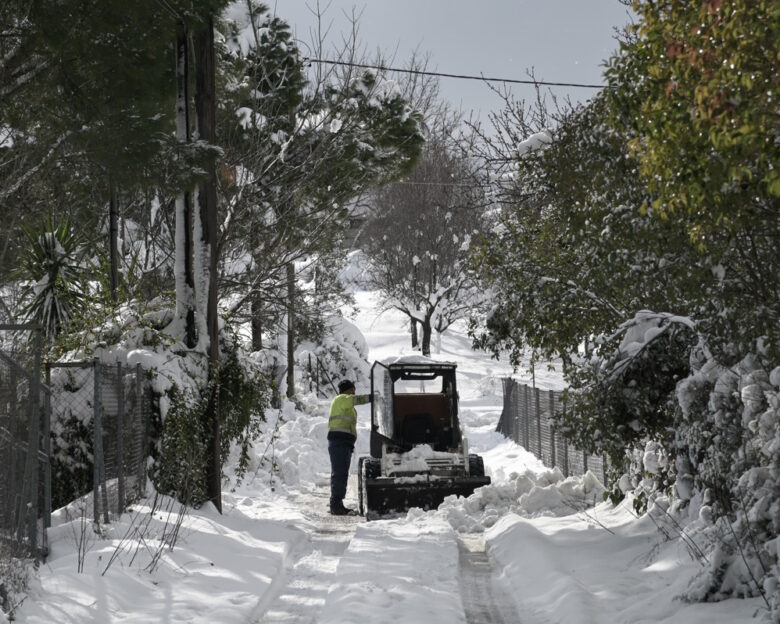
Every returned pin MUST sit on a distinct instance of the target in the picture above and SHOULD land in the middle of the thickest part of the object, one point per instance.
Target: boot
(340, 510)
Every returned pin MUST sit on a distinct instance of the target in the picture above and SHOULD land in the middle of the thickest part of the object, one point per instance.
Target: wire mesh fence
(25, 497)
(88, 420)
(110, 406)
(527, 419)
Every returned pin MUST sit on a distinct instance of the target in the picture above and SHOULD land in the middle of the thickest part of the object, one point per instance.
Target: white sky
(562, 40)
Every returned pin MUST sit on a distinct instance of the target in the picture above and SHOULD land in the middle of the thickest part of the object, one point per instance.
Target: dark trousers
(340, 451)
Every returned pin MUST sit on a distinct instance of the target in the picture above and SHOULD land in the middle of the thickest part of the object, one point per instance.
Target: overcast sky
(562, 40)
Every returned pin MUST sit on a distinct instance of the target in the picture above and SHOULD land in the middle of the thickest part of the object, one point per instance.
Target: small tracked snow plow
(418, 453)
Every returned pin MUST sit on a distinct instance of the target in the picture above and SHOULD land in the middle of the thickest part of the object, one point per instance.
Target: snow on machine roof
(414, 361)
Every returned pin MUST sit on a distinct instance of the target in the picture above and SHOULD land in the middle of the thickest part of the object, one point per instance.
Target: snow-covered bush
(691, 437)
(341, 354)
(180, 451)
(15, 571)
(625, 396)
(727, 448)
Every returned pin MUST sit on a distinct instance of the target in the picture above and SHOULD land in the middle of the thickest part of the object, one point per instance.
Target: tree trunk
(413, 328)
(257, 325)
(290, 330)
(113, 243)
(206, 107)
(426, 337)
(184, 270)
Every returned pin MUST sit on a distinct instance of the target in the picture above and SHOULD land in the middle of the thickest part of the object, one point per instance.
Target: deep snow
(276, 556)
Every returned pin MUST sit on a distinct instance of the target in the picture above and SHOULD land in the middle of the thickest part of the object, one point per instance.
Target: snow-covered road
(298, 594)
(514, 552)
(486, 598)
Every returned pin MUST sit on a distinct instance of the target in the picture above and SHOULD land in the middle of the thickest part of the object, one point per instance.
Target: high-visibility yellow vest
(343, 416)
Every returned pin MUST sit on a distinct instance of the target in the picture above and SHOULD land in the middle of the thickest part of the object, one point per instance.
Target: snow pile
(416, 460)
(602, 566)
(292, 449)
(529, 494)
(162, 563)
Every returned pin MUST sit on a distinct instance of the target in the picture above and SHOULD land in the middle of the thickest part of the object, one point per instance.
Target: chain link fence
(109, 405)
(25, 497)
(527, 419)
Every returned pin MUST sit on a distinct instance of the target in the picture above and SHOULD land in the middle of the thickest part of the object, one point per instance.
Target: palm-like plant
(56, 291)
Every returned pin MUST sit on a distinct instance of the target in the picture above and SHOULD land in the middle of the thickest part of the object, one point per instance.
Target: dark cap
(345, 385)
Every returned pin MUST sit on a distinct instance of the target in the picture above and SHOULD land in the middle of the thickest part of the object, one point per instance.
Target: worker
(342, 433)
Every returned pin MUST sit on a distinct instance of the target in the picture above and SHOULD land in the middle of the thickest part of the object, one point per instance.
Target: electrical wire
(420, 72)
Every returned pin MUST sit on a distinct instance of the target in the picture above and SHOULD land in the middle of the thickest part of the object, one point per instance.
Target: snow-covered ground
(275, 555)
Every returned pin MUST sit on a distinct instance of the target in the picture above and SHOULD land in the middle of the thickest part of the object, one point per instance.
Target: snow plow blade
(386, 495)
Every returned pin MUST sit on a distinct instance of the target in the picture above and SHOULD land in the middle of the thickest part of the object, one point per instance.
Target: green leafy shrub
(243, 396)
(625, 395)
(181, 450)
(52, 261)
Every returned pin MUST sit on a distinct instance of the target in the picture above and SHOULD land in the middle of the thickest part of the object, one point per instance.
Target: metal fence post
(15, 428)
(512, 414)
(584, 462)
(98, 464)
(47, 449)
(141, 413)
(120, 437)
(538, 422)
(515, 409)
(33, 446)
(566, 442)
(551, 402)
(96, 444)
(526, 421)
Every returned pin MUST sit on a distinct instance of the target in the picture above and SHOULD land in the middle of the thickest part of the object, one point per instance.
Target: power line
(459, 76)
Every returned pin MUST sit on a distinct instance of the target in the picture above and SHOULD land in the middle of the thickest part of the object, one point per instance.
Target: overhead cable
(458, 76)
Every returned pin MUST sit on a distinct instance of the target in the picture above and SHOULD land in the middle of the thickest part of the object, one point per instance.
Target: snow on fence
(25, 497)
(113, 402)
(526, 419)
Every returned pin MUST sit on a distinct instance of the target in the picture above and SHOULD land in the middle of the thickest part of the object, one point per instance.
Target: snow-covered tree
(419, 236)
(299, 151)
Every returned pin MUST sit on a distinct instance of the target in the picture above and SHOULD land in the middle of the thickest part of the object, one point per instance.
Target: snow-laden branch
(23, 75)
(587, 293)
(640, 332)
(22, 180)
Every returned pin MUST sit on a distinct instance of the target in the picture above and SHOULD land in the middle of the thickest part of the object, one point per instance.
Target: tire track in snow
(298, 595)
(485, 600)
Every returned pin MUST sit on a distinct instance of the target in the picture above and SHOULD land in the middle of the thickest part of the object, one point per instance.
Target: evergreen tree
(298, 152)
